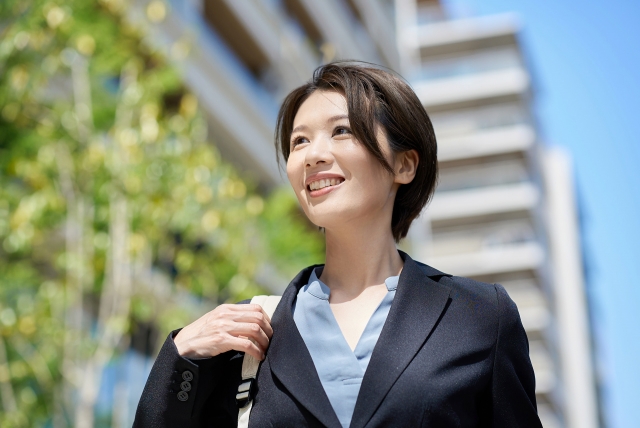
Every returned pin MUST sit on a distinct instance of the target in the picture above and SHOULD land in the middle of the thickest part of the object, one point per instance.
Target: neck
(360, 256)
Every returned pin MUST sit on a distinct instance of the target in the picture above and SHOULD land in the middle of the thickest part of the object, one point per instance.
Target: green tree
(115, 209)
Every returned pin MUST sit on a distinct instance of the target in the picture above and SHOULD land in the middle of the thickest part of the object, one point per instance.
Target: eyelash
(346, 128)
(297, 140)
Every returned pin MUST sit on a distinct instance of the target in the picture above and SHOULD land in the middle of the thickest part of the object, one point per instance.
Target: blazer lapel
(416, 308)
(291, 362)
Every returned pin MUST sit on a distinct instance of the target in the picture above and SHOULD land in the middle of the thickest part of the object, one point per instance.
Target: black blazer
(452, 353)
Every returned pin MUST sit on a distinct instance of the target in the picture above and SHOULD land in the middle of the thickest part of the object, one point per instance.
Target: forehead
(319, 106)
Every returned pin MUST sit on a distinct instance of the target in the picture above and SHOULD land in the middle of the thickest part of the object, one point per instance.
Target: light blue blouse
(340, 369)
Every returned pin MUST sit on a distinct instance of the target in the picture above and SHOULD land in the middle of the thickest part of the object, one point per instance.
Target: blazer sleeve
(186, 393)
(513, 383)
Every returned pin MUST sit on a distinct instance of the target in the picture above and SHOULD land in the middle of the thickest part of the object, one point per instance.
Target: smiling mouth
(322, 184)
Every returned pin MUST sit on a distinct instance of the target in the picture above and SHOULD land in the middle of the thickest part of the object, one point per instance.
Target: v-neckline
(326, 292)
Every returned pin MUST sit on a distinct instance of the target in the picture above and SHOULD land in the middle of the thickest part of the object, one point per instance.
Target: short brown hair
(375, 96)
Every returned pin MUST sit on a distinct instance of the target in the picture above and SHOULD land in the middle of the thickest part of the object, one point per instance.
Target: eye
(341, 130)
(298, 140)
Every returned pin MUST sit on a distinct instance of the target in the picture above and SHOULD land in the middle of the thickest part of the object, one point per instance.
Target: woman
(371, 338)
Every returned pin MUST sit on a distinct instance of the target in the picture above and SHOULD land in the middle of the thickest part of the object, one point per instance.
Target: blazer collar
(416, 308)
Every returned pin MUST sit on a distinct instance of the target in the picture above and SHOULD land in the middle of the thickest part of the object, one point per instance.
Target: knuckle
(222, 308)
(226, 326)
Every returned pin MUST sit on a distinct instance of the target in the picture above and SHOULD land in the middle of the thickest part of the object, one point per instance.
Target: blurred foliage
(106, 173)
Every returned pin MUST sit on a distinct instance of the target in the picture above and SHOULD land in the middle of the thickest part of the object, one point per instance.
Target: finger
(253, 307)
(253, 331)
(266, 316)
(247, 346)
(260, 318)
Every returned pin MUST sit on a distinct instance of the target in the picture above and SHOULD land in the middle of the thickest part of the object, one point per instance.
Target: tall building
(504, 210)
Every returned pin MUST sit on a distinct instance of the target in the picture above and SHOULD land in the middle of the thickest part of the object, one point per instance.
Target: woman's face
(337, 181)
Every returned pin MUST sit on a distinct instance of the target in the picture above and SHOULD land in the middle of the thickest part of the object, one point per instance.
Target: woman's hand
(244, 328)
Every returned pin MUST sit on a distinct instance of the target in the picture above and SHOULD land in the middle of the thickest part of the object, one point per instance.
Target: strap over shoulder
(250, 366)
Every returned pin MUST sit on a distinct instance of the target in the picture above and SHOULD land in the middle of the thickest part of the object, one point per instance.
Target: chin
(331, 219)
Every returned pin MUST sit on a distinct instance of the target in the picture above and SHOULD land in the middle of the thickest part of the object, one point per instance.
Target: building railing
(483, 175)
(469, 63)
(485, 142)
(484, 201)
(459, 91)
(507, 258)
(480, 237)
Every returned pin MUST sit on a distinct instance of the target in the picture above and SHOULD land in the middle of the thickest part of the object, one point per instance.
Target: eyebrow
(331, 119)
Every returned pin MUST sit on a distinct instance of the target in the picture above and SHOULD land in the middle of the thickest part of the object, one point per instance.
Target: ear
(405, 166)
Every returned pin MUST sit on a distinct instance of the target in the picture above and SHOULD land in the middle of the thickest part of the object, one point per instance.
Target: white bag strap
(250, 366)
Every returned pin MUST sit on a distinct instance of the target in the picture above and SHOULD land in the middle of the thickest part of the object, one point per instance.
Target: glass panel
(474, 119)
(482, 175)
(470, 63)
(475, 238)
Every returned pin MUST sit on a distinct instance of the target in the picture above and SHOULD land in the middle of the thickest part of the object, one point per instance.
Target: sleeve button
(185, 386)
(183, 396)
(187, 375)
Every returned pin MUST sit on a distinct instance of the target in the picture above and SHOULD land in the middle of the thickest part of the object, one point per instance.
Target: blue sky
(586, 62)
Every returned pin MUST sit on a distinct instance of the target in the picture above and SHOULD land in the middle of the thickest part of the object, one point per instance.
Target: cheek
(368, 172)
(294, 173)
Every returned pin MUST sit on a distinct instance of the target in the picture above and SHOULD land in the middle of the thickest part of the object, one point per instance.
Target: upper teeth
(319, 184)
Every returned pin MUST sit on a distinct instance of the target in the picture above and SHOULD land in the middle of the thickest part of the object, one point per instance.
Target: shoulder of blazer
(484, 299)
(460, 285)
(481, 303)
(476, 290)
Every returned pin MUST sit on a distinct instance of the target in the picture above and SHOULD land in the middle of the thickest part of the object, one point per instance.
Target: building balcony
(473, 238)
(484, 201)
(474, 89)
(446, 36)
(486, 142)
(482, 173)
(467, 63)
(508, 258)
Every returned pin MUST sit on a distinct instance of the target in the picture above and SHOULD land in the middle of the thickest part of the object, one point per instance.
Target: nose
(318, 152)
